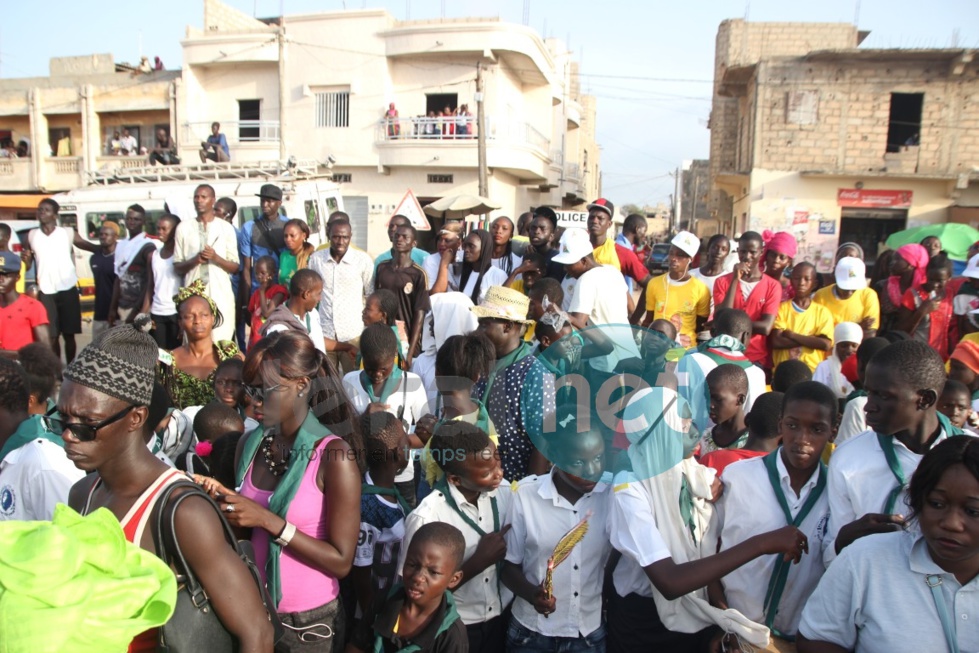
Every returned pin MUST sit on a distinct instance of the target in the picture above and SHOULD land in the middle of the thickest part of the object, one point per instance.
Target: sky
(649, 62)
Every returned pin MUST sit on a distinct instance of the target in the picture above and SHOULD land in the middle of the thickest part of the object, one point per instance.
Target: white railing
(557, 158)
(110, 162)
(66, 165)
(460, 128)
(235, 131)
(572, 172)
(6, 168)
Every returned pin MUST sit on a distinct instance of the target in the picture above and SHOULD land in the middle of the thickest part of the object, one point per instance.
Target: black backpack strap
(263, 224)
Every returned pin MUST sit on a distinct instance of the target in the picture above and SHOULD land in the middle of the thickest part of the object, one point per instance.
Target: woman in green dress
(188, 371)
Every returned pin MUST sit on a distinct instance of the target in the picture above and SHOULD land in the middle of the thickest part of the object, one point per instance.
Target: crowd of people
(479, 448)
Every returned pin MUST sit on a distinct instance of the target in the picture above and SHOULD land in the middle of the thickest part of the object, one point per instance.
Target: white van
(309, 197)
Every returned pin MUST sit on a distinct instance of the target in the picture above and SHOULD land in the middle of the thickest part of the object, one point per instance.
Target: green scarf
(686, 507)
(311, 432)
(522, 351)
(722, 341)
(853, 395)
(886, 443)
(390, 385)
(450, 617)
(780, 574)
(30, 429)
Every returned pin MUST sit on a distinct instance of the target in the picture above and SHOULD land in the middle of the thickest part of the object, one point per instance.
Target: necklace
(277, 468)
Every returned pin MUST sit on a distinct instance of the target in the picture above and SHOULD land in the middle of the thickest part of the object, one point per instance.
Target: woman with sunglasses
(300, 485)
(188, 371)
(103, 410)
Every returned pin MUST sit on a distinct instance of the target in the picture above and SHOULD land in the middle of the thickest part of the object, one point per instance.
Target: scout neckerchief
(522, 351)
(686, 507)
(482, 417)
(302, 453)
(442, 485)
(390, 385)
(776, 584)
(856, 393)
(367, 488)
(886, 443)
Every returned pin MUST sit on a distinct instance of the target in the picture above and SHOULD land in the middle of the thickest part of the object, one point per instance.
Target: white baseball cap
(972, 269)
(687, 243)
(575, 245)
(851, 274)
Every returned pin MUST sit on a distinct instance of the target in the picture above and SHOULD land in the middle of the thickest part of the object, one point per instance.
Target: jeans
(520, 639)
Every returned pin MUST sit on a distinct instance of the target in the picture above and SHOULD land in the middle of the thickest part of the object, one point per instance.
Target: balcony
(248, 140)
(107, 163)
(62, 172)
(15, 174)
(512, 146)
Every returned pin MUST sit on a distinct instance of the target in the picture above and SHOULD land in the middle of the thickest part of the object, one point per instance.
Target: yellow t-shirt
(679, 302)
(814, 321)
(864, 303)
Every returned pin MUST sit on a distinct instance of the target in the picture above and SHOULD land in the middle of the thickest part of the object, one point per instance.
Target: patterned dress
(186, 390)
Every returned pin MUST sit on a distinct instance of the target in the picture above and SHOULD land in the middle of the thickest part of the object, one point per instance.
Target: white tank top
(166, 284)
(55, 263)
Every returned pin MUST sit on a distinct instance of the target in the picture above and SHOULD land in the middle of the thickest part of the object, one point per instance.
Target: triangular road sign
(411, 209)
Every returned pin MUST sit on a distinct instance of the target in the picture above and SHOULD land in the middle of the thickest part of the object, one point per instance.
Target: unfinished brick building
(814, 135)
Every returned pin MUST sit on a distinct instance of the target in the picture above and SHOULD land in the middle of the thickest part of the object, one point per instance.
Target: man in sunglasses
(103, 411)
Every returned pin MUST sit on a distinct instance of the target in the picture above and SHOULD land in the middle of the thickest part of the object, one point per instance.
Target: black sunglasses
(81, 432)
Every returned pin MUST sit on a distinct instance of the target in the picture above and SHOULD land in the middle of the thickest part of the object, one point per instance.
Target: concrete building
(67, 121)
(319, 87)
(814, 135)
(695, 190)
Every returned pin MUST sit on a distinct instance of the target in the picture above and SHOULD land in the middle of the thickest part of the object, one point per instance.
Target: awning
(21, 201)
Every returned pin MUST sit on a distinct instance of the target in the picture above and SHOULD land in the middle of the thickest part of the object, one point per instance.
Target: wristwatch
(288, 532)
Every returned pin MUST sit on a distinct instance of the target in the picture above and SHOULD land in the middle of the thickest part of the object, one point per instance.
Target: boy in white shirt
(786, 486)
(544, 509)
(382, 385)
(868, 474)
(470, 497)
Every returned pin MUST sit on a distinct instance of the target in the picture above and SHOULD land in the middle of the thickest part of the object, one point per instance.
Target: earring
(300, 394)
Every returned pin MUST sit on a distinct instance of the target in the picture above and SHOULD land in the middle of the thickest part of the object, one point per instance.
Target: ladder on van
(243, 170)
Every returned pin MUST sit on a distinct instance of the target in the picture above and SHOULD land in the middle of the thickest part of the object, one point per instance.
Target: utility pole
(677, 201)
(481, 131)
(281, 37)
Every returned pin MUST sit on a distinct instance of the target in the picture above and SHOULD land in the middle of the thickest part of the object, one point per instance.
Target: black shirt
(104, 275)
(409, 284)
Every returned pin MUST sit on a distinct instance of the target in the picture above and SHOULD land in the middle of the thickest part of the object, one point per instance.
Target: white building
(318, 87)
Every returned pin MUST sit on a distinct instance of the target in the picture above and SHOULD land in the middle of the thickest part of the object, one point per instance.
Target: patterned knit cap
(120, 362)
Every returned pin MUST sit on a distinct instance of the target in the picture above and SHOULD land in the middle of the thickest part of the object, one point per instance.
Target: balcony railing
(236, 132)
(124, 162)
(572, 172)
(460, 129)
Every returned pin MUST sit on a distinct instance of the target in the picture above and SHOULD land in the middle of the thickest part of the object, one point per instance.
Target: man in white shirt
(348, 278)
(131, 263)
(868, 474)
(128, 144)
(207, 249)
(599, 296)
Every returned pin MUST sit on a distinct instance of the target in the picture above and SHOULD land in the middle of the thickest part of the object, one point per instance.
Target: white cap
(847, 332)
(972, 269)
(575, 245)
(687, 243)
(851, 274)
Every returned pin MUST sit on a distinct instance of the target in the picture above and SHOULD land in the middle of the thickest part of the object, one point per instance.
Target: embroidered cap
(851, 274)
(575, 245)
(120, 362)
(9, 262)
(503, 303)
(687, 243)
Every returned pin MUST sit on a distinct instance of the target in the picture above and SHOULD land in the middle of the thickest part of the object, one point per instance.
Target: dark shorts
(64, 312)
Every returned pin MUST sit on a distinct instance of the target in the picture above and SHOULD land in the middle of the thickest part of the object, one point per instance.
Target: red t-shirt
(934, 328)
(18, 320)
(721, 458)
(629, 263)
(255, 310)
(763, 300)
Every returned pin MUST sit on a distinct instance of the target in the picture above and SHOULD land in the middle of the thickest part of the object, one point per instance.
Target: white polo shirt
(860, 481)
(749, 507)
(874, 599)
(35, 478)
(410, 393)
(483, 596)
(854, 421)
(539, 517)
(632, 531)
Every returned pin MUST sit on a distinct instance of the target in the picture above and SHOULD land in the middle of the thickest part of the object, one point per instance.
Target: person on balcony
(114, 147)
(165, 152)
(128, 144)
(215, 148)
(464, 122)
(447, 123)
(394, 127)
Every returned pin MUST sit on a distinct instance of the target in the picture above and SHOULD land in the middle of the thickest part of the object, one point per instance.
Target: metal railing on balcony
(572, 172)
(460, 129)
(235, 131)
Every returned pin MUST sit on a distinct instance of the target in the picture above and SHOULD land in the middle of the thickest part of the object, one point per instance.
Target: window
(313, 215)
(94, 222)
(802, 107)
(332, 107)
(440, 179)
(439, 102)
(249, 114)
(904, 122)
(342, 177)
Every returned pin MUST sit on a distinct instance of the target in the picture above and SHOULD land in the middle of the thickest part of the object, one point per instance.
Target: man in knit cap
(103, 408)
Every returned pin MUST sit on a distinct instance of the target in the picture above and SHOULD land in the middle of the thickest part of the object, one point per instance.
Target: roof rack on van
(203, 172)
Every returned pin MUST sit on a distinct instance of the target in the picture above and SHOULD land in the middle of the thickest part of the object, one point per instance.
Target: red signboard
(873, 199)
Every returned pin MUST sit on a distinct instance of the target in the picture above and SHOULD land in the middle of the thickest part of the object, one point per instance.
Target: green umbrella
(956, 238)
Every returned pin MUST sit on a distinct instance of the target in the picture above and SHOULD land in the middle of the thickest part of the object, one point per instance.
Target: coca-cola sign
(873, 199)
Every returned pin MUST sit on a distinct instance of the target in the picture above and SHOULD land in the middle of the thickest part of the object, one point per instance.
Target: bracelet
(288, 532)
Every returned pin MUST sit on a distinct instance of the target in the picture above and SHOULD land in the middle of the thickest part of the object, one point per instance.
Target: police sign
(567, 219)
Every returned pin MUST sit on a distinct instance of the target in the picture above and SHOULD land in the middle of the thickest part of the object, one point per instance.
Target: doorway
(437, 102)
(869, 228)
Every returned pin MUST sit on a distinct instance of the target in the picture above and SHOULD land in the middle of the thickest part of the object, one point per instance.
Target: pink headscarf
(782, 242)
(917, 257)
